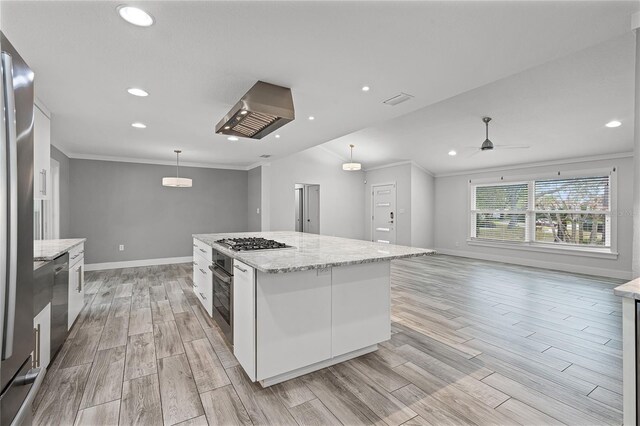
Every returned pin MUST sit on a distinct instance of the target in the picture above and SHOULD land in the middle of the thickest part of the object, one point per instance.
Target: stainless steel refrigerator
(16, 237)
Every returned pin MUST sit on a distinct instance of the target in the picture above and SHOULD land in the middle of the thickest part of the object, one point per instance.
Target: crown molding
(76, 156)
(539, 164)
(400, 163)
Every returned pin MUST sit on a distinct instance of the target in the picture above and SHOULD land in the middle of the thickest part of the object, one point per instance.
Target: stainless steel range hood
(263, 109)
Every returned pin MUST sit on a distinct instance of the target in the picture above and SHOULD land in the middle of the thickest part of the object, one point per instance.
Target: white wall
(422, 208)
(341, 193)
(401, 176)
(452, 213)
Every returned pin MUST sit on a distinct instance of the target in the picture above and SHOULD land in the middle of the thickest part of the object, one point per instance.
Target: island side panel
(629, 360)
(293, 321)
(361, 306)
(244, 317)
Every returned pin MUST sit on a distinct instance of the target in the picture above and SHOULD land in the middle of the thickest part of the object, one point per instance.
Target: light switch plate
(121, 247)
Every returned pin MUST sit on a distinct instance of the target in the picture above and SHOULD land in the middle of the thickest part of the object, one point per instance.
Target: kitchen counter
(50, 249)
(311, 251)
(630, 289)
(39, 264)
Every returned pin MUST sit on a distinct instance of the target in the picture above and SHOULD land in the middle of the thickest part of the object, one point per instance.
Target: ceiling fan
(487, 145)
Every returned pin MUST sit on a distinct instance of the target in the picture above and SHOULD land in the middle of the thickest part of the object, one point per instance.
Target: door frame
(395, 203)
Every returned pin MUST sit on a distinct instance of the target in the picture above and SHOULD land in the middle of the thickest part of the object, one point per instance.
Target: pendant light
(177, 181)
(351, 166)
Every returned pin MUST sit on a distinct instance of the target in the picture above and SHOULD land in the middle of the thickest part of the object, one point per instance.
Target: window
(567, 212)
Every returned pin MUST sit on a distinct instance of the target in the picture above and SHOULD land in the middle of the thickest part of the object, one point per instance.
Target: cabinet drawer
(75, 254)
(203, 286)
(202, 249)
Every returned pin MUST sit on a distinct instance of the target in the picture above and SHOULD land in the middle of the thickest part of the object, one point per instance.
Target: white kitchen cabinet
(203, 282)
(293, 321)
(244, 317)
(42, 333)
(76, 284)
(41, 156)
(360, 306)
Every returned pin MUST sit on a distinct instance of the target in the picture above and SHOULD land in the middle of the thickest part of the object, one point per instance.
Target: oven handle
(219, 275)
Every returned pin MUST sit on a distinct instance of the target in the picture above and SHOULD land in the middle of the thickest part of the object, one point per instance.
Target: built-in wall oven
(222, 276)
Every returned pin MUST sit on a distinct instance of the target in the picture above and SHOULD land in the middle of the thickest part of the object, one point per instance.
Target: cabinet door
(244, 317)
(202, 284)
(76, 291)
(293, 321)
(42, 332)
(41, 156)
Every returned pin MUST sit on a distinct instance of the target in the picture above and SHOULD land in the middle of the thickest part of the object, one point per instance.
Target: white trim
(564, 267)
(558, 174)
(42, 107)
(603, 253)
(136, 263)
(64, 152)
(317, 366)
(635, 24)
(158, 162)
(400, 163)
(539, 164)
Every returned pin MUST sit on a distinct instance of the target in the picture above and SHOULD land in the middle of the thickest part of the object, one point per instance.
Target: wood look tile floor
(473, 342)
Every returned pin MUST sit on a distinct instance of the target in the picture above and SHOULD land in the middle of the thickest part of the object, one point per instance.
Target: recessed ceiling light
(232, 138)
(452, 153)
(227, 127)
(614, 123)
(366, 88)
(139, 125)
(135, 16)
(277, 136)
(311, 117)
(136, 91)
(243, 112)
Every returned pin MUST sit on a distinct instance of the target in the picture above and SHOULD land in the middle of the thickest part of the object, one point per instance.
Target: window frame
(530, 244)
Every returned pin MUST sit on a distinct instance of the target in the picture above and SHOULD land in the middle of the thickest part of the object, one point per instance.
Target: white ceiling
(200, 57)
(558, 109)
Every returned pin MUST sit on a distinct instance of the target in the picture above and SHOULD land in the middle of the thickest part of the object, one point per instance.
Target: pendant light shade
(177, 181)
(351, 166)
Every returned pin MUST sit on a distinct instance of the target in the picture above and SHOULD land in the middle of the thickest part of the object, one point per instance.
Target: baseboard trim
(575, 269)
(136, 263)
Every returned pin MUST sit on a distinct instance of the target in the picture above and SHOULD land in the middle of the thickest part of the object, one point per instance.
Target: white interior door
(383, 213)
(299, 209)
(312, 195)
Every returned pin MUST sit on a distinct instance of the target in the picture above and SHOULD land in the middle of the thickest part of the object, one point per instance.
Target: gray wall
(452, 220)
(341, 193)
(422, 208)
(254, 199)
(57, 155)
(116, 203)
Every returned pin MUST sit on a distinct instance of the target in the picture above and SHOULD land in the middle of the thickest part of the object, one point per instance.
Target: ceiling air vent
(263, 109)
(398, 99)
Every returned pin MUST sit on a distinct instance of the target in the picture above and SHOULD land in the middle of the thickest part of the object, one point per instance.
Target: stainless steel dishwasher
(59, 303)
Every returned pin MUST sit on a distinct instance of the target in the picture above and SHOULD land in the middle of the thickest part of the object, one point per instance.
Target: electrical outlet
(258, 210)
(323, 271)
(457, 244)
(121, 247)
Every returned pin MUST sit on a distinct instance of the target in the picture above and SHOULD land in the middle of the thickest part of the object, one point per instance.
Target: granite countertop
(50, 249)
(311, 251)
(630, 289)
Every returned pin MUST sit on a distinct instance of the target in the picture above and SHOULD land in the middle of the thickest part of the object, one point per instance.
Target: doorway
(307, 208)
(383, 213)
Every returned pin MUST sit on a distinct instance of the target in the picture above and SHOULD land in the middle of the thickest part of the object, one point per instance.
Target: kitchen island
(319, 301)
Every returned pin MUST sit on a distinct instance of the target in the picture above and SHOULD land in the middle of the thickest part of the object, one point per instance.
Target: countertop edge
(51, 257)
(630, 290)
(233, 254)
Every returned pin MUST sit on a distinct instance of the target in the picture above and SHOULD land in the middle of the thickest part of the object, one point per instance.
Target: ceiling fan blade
(478, 150)
(512, 146)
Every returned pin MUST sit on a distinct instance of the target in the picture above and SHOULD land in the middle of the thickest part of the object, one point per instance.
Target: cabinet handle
(203, 296)
(203, 271)
(194, 263)
(79, 271)
(203, 250)
(43, 182)
(239, 268)
(36, 356)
